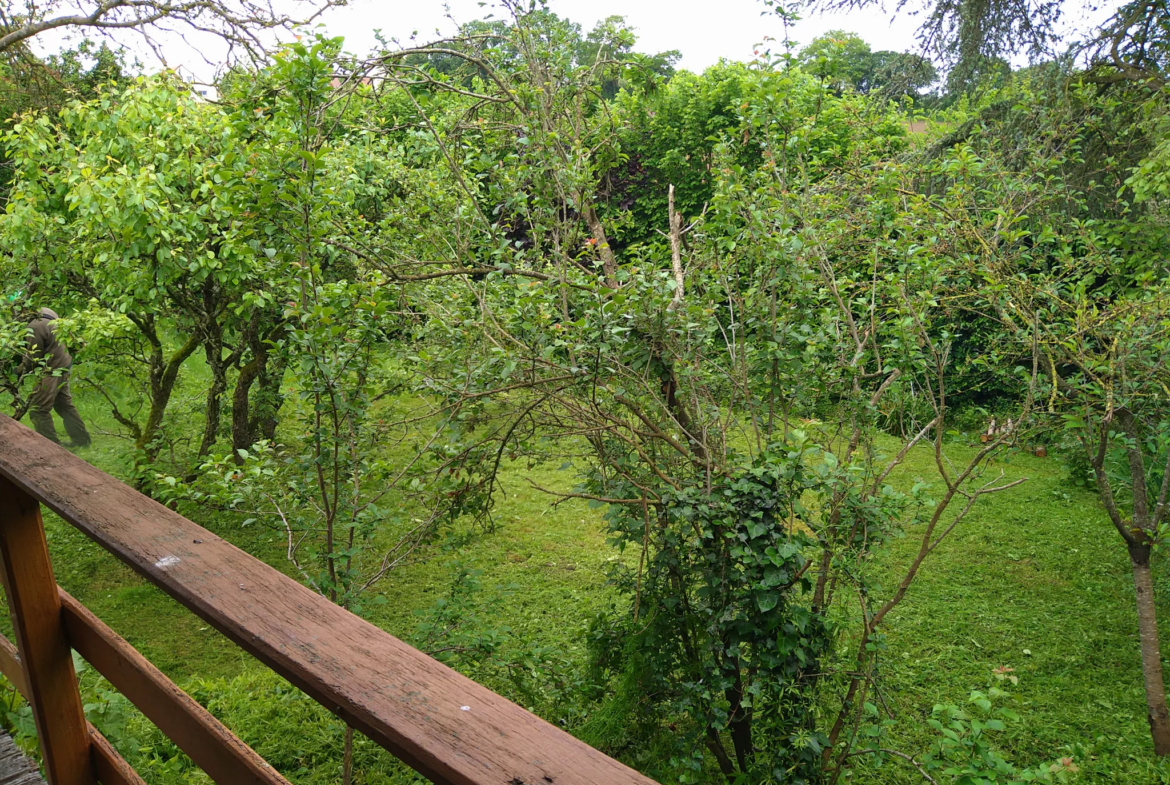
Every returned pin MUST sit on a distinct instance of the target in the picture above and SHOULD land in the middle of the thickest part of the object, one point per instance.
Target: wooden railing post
(45, 655)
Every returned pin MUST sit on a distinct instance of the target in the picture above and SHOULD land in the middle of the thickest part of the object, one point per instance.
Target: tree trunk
(269, 399)
(243, 436)
(1156, 711)
(163, 375)
(214, 352)
(608, 260)
(347, 763)
(254, 416)
(716, 746)
(740, 722)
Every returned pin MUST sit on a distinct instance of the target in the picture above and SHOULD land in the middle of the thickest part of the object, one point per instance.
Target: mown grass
(1035, 579)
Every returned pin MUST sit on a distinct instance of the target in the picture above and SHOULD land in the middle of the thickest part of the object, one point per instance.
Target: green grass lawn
(1036, 579)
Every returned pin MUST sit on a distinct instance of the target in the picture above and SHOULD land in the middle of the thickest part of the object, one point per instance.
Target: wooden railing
(440, 723)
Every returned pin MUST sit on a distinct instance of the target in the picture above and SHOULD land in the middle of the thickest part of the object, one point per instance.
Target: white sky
(703, 30)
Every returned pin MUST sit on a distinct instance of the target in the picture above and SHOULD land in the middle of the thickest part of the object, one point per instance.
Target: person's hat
(48, 313)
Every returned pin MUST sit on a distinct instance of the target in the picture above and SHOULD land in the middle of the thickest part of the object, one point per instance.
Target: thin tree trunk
(1156, 711)
(257, 399)
(1137, 533)
(715, 744)
(243, 434)
(163, 376)
(608, 260)
(268, 400)
(214, 352)
(347, 765)
(740, 722)
(243, 429)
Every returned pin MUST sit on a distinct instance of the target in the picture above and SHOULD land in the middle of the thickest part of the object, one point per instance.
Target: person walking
(52, 391)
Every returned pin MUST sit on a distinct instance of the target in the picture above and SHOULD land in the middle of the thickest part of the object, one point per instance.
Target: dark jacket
(42, 342)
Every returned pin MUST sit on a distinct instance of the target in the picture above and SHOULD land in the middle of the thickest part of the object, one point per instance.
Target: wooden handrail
(444, 725)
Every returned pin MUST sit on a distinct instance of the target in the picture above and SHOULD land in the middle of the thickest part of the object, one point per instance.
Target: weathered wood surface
(10, 666)
(15, 768)
(111, 768)
(206, 740)
(45, 657)
(441, 723)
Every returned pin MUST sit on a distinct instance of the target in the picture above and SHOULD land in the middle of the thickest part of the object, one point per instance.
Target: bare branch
(238, 22)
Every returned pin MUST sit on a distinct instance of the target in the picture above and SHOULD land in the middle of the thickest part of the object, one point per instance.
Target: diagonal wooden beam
(192, 728)
(111, 768)
(444, 725)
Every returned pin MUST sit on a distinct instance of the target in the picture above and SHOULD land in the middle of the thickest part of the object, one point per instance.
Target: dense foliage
(730, 306)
